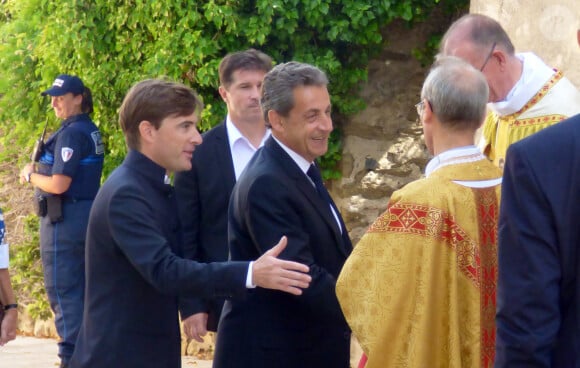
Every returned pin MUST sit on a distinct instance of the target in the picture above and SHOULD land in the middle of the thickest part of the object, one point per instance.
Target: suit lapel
(223, 155)
(347, 244)
(305, 186)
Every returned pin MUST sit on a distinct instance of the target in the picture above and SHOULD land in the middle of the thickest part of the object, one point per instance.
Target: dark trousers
(62, 248)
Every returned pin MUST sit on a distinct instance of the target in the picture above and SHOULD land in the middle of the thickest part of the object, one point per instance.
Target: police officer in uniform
(66, 179)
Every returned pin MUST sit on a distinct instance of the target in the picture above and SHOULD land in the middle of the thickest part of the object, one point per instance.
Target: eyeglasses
(488, 57)
(420, 106)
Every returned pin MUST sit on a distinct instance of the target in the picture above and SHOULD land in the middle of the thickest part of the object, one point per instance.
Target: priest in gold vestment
(419, 288)
(526, 95)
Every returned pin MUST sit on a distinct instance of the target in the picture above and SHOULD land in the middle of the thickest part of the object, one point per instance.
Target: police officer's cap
(64, 84)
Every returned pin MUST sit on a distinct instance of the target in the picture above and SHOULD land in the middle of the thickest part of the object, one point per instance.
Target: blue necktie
(314, 174)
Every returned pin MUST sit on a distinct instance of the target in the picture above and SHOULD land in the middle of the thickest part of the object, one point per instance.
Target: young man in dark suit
(276, 195)
(203, 193)
(134, 272)
(538, 301)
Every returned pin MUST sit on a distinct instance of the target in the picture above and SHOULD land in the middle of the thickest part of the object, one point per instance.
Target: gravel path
(32, 352)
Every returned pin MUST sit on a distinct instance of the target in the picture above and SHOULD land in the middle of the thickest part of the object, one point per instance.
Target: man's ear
(276, 120)
(223, 93)
(427, 113)
(500, 56)
(147, 131)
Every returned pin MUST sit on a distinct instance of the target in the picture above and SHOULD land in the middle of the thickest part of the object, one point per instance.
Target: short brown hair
(154, 100)
(250, 59)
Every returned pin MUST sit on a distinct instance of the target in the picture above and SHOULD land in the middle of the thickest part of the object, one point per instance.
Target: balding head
(483, 43)
(478, 30)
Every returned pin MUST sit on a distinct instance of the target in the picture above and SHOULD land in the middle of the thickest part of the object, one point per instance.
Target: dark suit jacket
(538, 317)
(134, 273)
(273, 197)
(203, 194)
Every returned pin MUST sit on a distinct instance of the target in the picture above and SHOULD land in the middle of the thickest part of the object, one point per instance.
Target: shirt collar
(72, 119)
(234, 134)
(147, 167)
(302, 163)
(454, 156)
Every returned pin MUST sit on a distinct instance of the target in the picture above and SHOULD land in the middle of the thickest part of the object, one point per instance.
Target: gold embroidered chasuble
(419, 288)
(557, 100)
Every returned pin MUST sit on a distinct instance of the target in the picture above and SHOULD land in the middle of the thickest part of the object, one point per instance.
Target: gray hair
(457, 93)
(279, 84)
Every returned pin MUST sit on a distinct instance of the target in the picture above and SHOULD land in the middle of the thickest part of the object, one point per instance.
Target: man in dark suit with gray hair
(281, 192)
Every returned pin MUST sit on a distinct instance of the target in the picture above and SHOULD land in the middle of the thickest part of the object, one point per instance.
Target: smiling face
(242, 96)
(308, 125)
(66, 105)
(172, 145)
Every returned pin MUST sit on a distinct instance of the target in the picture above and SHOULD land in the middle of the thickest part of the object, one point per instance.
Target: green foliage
(332, 156)
(112, 44)
(426, 54)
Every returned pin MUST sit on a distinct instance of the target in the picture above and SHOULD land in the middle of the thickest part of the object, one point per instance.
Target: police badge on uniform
(66, 153)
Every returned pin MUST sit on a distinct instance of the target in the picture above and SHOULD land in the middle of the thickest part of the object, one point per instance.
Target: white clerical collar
(454, 156)
(302, 163)
(535, 73)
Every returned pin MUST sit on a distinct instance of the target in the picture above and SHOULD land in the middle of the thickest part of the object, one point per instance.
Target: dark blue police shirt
(75, 150)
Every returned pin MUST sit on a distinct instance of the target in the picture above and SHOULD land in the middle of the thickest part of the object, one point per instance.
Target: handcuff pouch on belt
(50, 206)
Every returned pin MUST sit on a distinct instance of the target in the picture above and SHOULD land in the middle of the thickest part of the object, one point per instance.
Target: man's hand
(272, 273)
(9, 324)
(195, 326)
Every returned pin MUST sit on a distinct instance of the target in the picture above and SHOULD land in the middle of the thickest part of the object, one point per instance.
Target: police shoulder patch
(66, 153)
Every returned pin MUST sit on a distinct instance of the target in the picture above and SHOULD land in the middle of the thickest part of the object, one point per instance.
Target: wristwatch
(28, 177)
(10, 306)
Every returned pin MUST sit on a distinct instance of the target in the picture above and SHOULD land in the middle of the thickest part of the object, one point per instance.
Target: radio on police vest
(38, 149)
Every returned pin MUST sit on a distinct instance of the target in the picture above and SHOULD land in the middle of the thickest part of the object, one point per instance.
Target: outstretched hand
(272, 273)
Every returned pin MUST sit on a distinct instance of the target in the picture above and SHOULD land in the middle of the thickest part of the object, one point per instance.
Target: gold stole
(419, 288)
(501, 131)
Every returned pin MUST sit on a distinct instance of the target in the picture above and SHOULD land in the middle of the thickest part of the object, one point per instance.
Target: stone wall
(383, 147)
